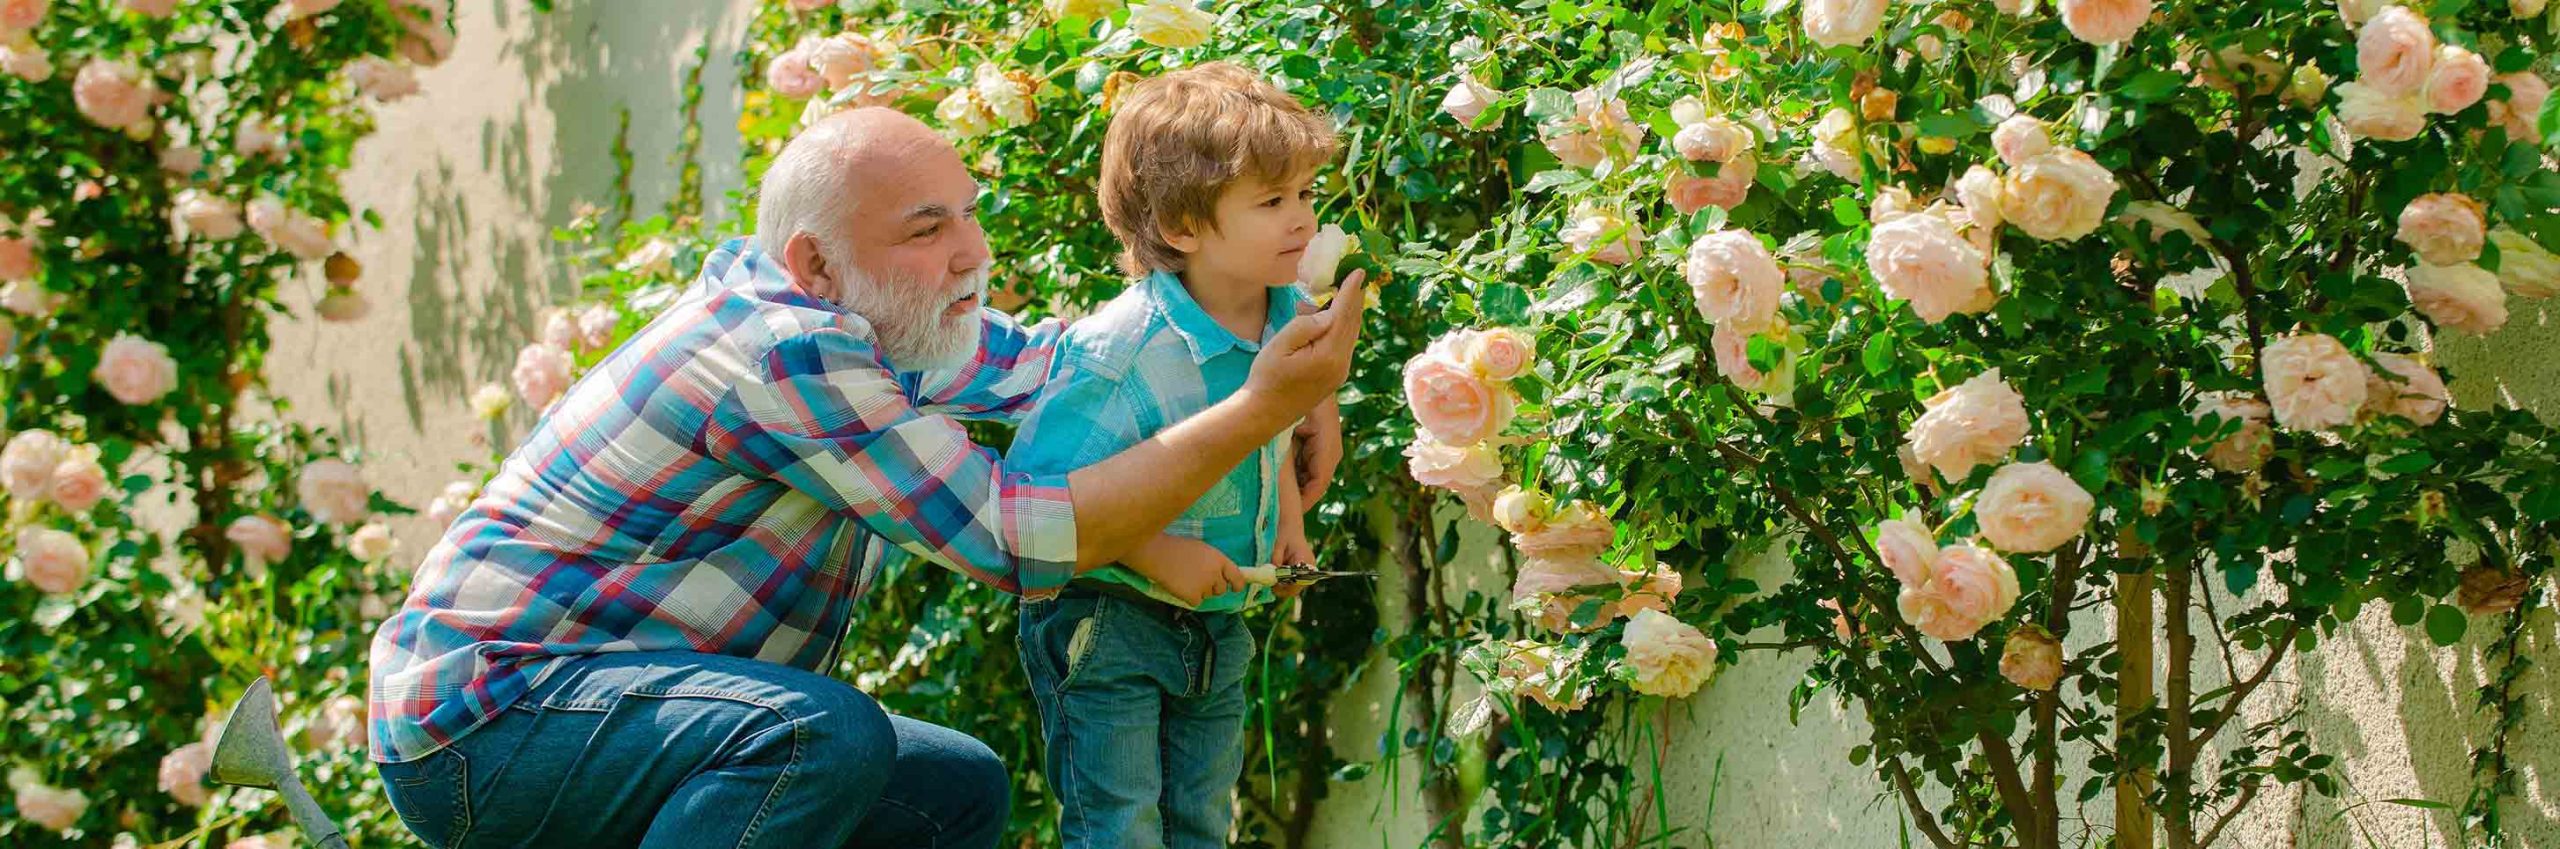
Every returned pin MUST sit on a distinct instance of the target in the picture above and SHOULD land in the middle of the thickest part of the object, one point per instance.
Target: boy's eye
(1306, 194)
(1274, 201)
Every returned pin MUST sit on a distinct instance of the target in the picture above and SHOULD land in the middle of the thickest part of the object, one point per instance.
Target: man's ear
(808, 265)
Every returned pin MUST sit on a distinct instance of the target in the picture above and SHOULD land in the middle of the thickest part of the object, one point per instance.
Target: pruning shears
(1304, 573)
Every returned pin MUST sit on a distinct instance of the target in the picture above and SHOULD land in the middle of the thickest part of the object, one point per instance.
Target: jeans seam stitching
(790, 770)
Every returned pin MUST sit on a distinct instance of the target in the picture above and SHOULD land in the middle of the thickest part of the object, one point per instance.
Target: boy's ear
(1180, 236)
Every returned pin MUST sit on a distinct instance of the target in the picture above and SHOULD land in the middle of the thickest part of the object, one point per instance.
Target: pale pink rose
(1734, 279)
(841, 60)
(182, 774)
(161, 9)
(2032, 507)
(371, 542)
(53, 808)
(55, 561)
(428, 42)
(2312, 381)
(1501, 353)
(1973, 586)
(2443, 228)
(1467, 101)
(29, 461)
(27, 62)
(28, 298)
(1554, 586)
(2525, 267)
(1842, 23)
(595, 326)
(2461, 297)
(809, 5)
(307, 8)
(2247, 449)
(1591, 224)
(1521, 511)
(2373, 113)
(1599, 129)
(2356, 12)
(2032, 658)
(1730, 186)
(1451, 401)
(87, 190)
(2104, 21)
(2521, 112)
(382, 79)
(1452, 467)
(18, 263)
(135, 370)
(1978, 191)
(261, 538)
(112, 95)
(1922, 259)
(2407, 388)
(79, 483)
(1576, 531)
(19, 16)
(2458, 80)
(449, 504)
(207, 215)
(559, 329)
(2058, 195)
(2020, 138)
(541, 373)
(334, 492)
(2395, 52)
(342, 305)
(1971, 424)
(789, 75)
(1545, 674)
(1671, 658)
(1651, 589)
(340, 723)
(1908, 550)
(259, 137)
(1717, 139)
(303, 235)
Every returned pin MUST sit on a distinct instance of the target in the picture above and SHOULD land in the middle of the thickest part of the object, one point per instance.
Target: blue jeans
(1142, 709)
(669, 750)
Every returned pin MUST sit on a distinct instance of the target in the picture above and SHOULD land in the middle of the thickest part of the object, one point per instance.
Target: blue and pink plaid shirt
(727, 482)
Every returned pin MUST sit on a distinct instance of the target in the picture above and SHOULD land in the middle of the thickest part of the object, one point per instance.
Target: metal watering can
(251, 752)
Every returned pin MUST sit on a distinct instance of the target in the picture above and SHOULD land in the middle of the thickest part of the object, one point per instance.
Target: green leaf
(1561, 177)
(1878, 355)
(1844, 209)
(2410, 463)
(1548, 104)
(2153, 84)
(1953, 125)
(2445, 624)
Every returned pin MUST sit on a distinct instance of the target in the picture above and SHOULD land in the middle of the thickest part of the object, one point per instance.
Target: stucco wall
(517, 130)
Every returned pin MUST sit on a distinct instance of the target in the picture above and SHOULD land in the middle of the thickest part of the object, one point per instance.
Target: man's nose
(973, 252)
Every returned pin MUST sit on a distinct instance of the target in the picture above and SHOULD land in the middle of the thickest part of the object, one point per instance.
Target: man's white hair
(804, 189)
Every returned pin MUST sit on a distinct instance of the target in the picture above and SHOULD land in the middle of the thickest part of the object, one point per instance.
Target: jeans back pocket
(433, 796)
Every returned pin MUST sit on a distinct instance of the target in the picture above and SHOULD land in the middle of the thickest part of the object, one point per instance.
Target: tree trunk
(2133, 696)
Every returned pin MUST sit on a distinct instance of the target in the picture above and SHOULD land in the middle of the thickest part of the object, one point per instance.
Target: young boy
(1205, 176)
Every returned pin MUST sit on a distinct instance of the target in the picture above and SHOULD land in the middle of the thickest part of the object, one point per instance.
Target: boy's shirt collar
(1201, 332)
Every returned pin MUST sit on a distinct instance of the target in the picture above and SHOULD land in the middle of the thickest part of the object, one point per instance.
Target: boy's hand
(1292, 550)
(1186, 568)
(1319, 444)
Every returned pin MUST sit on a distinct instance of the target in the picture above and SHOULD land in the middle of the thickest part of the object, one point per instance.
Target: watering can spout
(251, 752)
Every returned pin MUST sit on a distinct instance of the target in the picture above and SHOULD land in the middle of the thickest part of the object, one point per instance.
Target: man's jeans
(679, 750)
(1142, 707)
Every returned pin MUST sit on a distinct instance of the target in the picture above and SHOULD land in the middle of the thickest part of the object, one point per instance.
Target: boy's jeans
(685, 751)
(1142, 706)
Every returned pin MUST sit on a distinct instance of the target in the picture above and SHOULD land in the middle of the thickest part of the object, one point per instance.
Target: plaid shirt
(727, 482)
(1147, 360)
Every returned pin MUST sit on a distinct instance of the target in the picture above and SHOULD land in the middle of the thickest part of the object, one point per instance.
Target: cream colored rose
(2031, 659)
(342, 305)
(334, 492)
(1452, 467)
(1451, 401)
(595, 326)
(28, 298)
(1649, 589)
(1835, 144)
(2104, 21)
(1171, 23)
(2312, 382)
(1552, 588)
(2462, 297)
(1576, 531)
(2407, 388)
(1842, 23)
(1592, 224)
(53, 808)
(2373, 113)
(207, 215)
(2307, 87)
(1908, 550)
(1670, 658)
(966, 114)
(449, 504)
(370, 543)
(2457, 80)
(113, 95)
(2020, 138)
(490, 401)
(28, 462)
(2524, 266)
(1323, 258)
(1922, 259)
(2395, 52)
(1734, 279)
(1717, 139)
(79, 482)
(261, 537)
(1501, 353)
(2246, 449)
(1973, 423)
(2525, 9)
(2032, 507)
(840, 59)
(1007, 94)
(1467, 101)
(27, 62)
(1521, 511)
(1973, 586)
(1978, 191)
(54, 561)
(2443, 228)
(382, 79)
(2058, 195)
(182, 774)
(135, 370)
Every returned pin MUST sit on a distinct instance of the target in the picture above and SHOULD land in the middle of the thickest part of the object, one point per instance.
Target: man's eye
(926, 232)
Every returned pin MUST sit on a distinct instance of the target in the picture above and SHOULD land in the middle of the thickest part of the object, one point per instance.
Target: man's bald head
(825, 174)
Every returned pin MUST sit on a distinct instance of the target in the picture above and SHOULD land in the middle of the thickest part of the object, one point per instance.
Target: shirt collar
(1199, 331)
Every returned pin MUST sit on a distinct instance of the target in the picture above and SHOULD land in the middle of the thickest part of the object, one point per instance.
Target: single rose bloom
(2462, 297)
(2521, 111)
(207, 215)
(370, 543)
(2443, 228)
(2031, 659)
(1501, 353)
(2312, 381)
(542, 373)
(2373, 113)
(2058, 195)
(1452, 402)
(79, 482)
(136, 370)
(1554, 586)
(1973, 586)
(2246, 449)
(28, 462)
(1171, 23)
(2525, 267)
(1576, 531)
(182, 774)
(261, 538)
(52, 808)
(54, 561)
(1909, 551)
(789, 75)
(2458, 80)
(1734, 280)
(2406, 388)
(2395, 51)
(2104, 21)
(1842, 23)
(1452, 467)
(1467, 101)
(334, 492)
(2032, 507)
(1670, 658)
(113, 95)
(1970, 424)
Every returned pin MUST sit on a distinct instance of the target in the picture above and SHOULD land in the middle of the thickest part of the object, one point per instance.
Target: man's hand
(1307, 360)
(1189, 569)
(1319, 443)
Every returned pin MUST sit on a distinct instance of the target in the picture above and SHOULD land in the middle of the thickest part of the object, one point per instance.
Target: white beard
(907, 325)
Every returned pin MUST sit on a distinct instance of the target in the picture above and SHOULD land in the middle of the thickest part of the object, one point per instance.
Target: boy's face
(1260, 232)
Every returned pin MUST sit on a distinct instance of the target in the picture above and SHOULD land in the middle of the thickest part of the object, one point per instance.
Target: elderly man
(622, 643)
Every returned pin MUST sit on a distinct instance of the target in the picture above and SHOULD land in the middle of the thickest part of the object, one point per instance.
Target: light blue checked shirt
(1147, 360)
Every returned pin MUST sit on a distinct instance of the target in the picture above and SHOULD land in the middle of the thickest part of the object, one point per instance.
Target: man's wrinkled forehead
(906, 175)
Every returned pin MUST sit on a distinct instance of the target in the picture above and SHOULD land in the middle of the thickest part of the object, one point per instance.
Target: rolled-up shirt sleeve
(820, 413)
